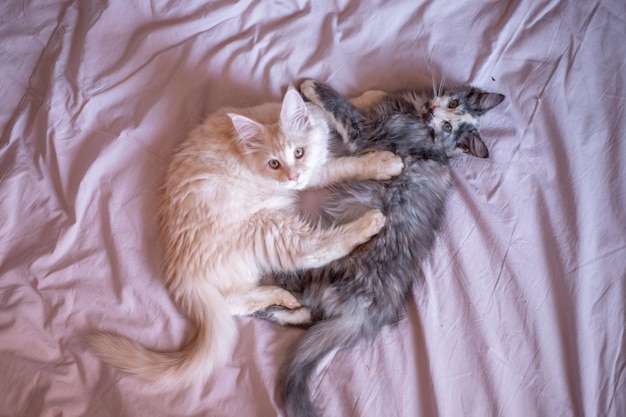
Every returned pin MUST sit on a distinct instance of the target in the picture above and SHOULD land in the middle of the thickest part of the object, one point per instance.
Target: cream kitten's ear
(250, 132)
(294, 114)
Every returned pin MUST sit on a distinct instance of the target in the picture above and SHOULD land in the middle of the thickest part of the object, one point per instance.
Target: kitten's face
(291, 157)
(287, 152)
(453, 118)
(448, 114)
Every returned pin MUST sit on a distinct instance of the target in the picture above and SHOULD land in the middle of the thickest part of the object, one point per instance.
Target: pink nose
(294, 177)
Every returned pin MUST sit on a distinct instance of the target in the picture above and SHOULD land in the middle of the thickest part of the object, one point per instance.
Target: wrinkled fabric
(522, 312)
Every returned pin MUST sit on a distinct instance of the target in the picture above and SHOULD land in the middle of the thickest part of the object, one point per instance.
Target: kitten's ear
(482, 102)
(294, 114)
(472, 143)
(250, 132)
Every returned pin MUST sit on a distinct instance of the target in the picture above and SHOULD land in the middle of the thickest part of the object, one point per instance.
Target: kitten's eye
(447, 127)
(274, 164)
(299, 153)
(453, 104)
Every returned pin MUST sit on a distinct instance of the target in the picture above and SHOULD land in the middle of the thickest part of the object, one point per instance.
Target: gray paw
(308, 90)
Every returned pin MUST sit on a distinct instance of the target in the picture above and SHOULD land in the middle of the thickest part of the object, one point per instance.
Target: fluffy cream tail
(213, 343)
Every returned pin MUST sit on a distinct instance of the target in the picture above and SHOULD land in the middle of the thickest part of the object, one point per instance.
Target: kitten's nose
(294, 177)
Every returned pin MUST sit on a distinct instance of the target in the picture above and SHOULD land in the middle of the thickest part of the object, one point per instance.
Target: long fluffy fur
(223, 224)
(353, 297)
(209, 347)
(228, 218)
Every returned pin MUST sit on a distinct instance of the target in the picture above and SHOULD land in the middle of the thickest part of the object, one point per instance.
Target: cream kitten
(228, 218)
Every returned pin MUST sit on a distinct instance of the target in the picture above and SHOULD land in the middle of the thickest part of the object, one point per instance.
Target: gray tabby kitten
(353, 297)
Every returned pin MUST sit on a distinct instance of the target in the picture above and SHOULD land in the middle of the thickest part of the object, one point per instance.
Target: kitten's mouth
(296, 184)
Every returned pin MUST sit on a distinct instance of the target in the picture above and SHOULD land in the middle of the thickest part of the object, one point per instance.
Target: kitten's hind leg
(257, 298)
(300, 317)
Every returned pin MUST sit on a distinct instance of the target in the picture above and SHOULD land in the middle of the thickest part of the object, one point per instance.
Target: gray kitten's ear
(482, 102)
(472, 143)
(294, 114)
(250, 133)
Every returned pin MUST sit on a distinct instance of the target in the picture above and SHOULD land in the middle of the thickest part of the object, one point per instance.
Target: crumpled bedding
(522, 312)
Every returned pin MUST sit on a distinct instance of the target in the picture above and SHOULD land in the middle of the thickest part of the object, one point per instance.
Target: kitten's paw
(287, 299)
(300, 317)
(262, 297)
(308, 90)
(372, 222)
(385, 164)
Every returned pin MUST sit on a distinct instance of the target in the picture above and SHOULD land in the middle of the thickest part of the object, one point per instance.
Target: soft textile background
(523, 309)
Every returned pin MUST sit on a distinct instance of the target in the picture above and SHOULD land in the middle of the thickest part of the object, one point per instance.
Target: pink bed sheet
(523, 308)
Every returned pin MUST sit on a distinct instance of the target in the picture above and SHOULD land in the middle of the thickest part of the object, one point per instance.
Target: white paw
(260, 298)
(374, 220)
(299, 317)
(286, 299)
(387, 165)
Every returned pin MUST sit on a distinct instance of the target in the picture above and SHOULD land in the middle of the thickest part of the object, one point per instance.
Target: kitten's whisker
(440, 91)
(428, 79)
(436, 87)
(443, 82)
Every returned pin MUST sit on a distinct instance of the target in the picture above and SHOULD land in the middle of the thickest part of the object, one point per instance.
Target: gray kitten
(353, 297)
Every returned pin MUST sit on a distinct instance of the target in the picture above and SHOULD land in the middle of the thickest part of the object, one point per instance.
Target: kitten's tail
(210, 347)
(320, 340)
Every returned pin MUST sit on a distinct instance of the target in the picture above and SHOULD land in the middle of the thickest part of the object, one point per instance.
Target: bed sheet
(522, 312)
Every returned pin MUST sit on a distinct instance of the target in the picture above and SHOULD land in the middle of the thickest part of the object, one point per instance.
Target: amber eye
(447, 127)
(274, 164)
(453, 104)
(299, 153)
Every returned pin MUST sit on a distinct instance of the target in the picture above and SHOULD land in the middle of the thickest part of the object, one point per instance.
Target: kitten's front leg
(315, 92)
(380, 165)
(376, 165)
(308, 90)
(346, 119)
(337, 242)
(367, 99)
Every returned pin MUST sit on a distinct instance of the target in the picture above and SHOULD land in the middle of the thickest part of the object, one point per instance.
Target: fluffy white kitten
(228, 218)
